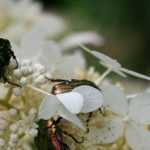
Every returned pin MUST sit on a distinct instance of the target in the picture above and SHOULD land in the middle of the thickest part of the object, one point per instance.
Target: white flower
(113, 65)
(148, 89)
(3, 91)
(75, 39)
(51, 107)
(81, 99)
(50, 54)
(24, 99)
(34, 74)
(26, 102)
(16, 131)
(93, 98)
(73, 101)
(129, 119)
(33, 20)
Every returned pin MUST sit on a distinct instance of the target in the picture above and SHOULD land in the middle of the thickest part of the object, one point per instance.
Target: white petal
(48, 107)
(51, 54)
(109, 133)
(75, 39)
(67, 66)
(148, 90)
(6, 4)
(120, 73)
(115, 99)
(50, 25)
(138, 138)
(140, 108)
(106, 60)
(51, 106)
(3, 92)
(31, 45)
(72, 118)
(31, 8)
(73, 101)
(93, 98)
(15, 32)
(135, 74)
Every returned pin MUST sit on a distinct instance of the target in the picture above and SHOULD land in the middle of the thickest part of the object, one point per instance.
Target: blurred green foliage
(125, 24)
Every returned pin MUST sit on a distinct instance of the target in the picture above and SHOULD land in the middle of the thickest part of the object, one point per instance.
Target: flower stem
(39, 90)
(101, 78)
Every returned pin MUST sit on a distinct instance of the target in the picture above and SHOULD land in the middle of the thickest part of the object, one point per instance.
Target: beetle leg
(16, 64)
(58, 120)
(10, 82)
(14, 57)
(65, 146)
(88, 120)
(73, 138)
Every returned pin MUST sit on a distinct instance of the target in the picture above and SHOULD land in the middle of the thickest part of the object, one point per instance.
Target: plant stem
(101, 78)
(39, 90)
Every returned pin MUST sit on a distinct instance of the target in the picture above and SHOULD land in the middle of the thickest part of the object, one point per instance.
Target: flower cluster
(129, 115)
(41, 60)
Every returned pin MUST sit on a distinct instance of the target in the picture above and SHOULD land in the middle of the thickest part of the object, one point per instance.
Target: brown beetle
(63, 86)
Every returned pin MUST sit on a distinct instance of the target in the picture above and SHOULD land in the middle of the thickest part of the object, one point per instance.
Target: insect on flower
(51, 136)
(68, 85)
(88, 92)
(72, 96)
(67, 92)
(6, 54)
(113, 65)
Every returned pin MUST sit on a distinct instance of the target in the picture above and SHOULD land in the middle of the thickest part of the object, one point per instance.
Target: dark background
(125, 24)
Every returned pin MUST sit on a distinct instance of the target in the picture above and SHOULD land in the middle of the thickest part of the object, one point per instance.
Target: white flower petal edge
(109, 133)
(138, 138)
(93, 98)
(75, 39)
(105, 60)
(50, 25)
(120, 73)
(113, 64)
(73, 101)
(30, 47)
(51, 106)
(135, 74)
(38, 49)
(115, 99)
(140, 108)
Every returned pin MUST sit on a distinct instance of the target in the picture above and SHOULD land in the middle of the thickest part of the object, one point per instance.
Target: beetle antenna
(56, 80)
(73, 138)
